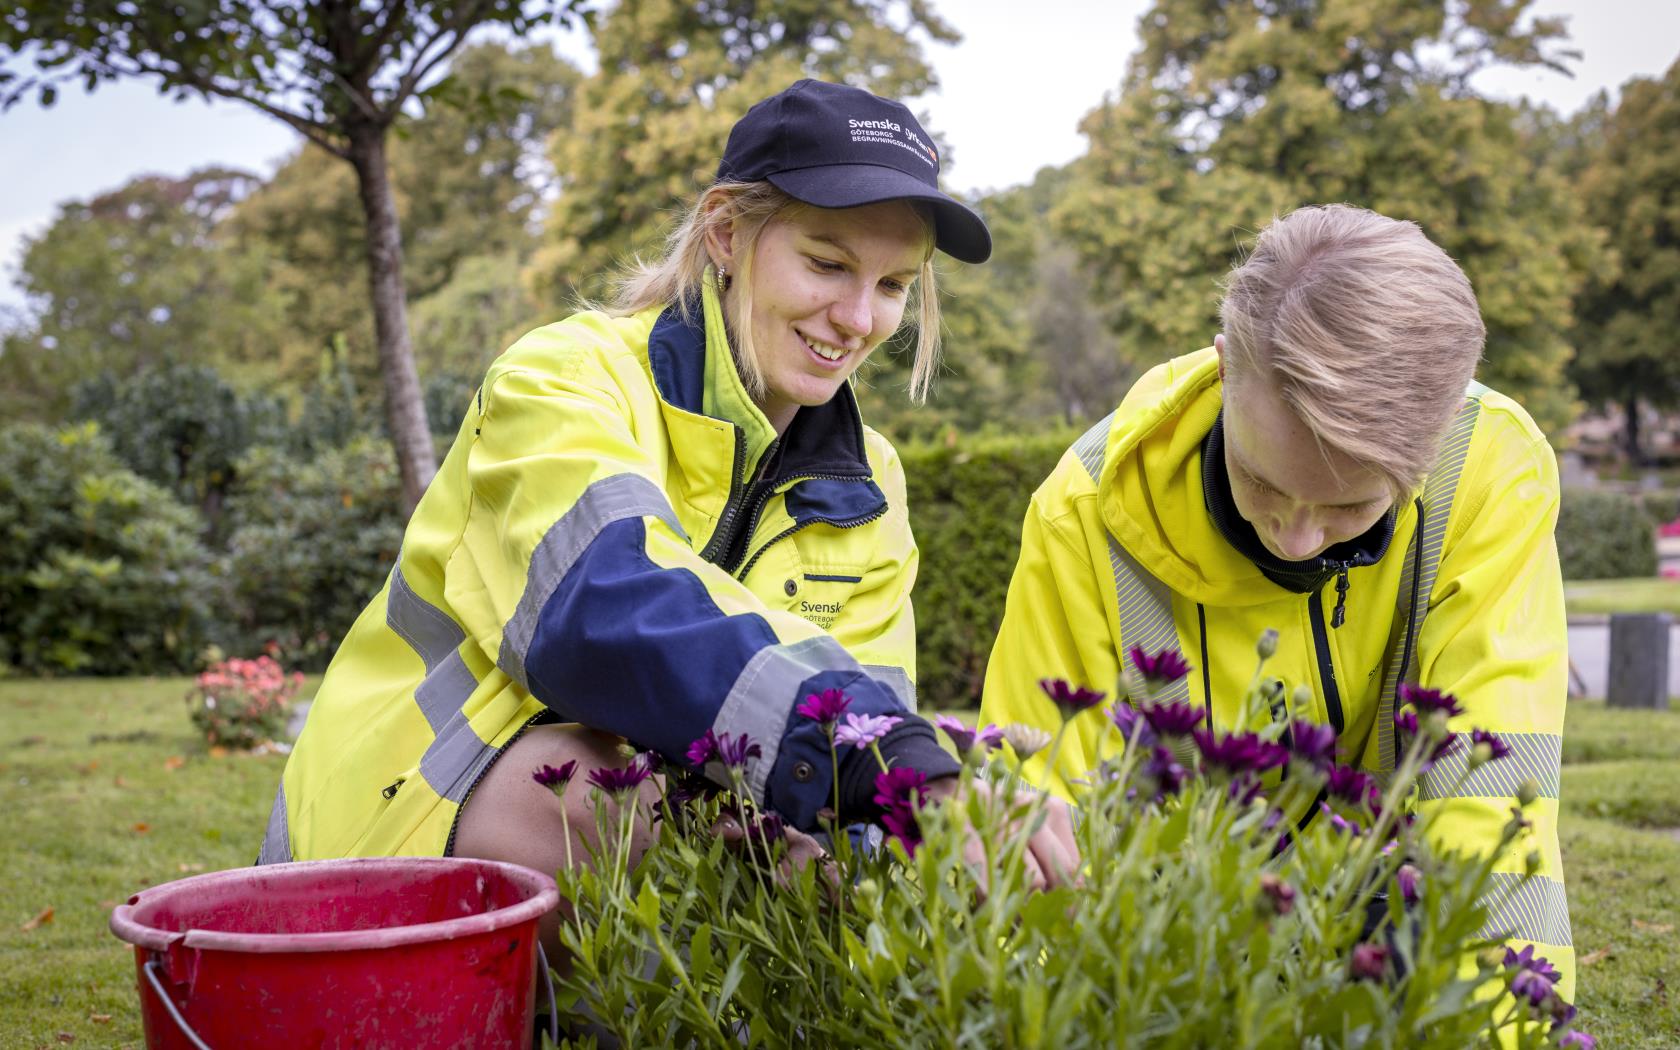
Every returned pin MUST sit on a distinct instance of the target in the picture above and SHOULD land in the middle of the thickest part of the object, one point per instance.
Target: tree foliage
(1631, 184)
(649, 126)
(1233, 113)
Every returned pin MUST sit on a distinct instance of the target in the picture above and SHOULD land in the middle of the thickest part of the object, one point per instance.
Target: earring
(722, 279)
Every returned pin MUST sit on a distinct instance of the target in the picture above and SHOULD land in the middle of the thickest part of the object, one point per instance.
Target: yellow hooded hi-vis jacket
(1118, 550)
(617, 537)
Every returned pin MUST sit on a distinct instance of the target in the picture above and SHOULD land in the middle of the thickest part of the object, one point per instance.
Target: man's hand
(1052, 856)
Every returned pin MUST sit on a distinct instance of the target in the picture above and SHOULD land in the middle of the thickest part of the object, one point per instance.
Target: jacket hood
(1150, 491)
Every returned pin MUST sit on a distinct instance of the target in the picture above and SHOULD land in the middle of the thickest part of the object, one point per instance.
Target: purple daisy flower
(555, 779)
(900, 792)
(1349, 784)
(1497, 748)
(825, 707)
(1313, 743)
(1339, 822)
(989, 736)
(1162, 770)
(1407, 877)
(1527, 984)
(1527, 960)
(1070, 699)
(736, 751)
(1125, 718)
(1428, 701)
(703, 750)
(619, 782)
(1174, 719)
(1164, 668)
(770, 827)
(862, 730)
(1406, 722)
(1239, 752)
(1574, 1037)
(1369, 962)
(961, 733)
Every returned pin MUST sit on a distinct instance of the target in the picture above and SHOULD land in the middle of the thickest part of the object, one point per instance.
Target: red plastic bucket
(387, 951)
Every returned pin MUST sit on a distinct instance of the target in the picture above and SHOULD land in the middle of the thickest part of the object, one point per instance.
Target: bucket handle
(151, 969)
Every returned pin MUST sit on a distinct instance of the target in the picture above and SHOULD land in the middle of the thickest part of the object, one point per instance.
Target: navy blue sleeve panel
(638, 649)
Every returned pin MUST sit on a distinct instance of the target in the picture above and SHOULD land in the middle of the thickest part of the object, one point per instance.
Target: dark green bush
(310, 542)
(1662, 505)
(966, 502)
(101, 571)
(1604, 535)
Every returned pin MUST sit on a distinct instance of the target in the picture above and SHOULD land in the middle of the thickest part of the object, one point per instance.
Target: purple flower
(621, 781)
(1069, 699)
(900, 792)
(1428, 701)
(862, 730)
(555, 779)
(1576, 1037)
(1164, 668)
(1174, 719)
(1407, 877)
(1534, 987)
(1313, 743)
(1349, 784)
(825, 707)
(1534, 975)
(703, 750)
(1280, 895)
(770, 827)
(687, 786)
(1406, 722)
(736, 751)
(961, 733)
(1497, 748)
(1527, 960)
(989, 736)
(1239, 752)
(1162, 770)
(1369, 962)
(1125, 718)
(1339, 822)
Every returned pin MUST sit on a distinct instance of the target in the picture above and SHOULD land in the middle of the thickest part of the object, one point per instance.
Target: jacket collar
(694, 370)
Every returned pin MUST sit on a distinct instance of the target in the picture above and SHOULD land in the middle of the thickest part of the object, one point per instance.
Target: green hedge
(101, 571)
(967, 501)
(1604, 535)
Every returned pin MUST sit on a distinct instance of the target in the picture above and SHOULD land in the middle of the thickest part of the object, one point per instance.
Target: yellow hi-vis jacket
(619, 538)
(1118, 550)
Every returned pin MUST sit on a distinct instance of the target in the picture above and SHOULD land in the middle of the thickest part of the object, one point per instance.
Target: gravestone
(1638, 660)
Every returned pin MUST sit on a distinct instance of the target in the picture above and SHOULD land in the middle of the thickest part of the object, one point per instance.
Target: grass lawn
(107, 791)
(1641, 594)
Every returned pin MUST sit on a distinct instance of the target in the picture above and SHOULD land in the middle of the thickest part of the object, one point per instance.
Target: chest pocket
(821, 595)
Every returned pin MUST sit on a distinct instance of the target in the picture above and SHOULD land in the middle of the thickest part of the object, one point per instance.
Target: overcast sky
(1011, 97)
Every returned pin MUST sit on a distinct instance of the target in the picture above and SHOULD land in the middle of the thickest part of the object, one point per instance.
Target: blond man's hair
(677, 276)
(1368, 331)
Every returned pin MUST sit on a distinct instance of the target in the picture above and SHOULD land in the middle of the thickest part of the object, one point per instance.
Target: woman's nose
(1298, 537)
(852, 315)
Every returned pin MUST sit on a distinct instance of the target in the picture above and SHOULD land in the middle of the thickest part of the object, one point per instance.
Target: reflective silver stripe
(1417, 577)
(762, 697)
(1535, 911)
(1533, 755)
(605, 501)
(437, 639)
(277, 841)
(897, 680)
(1091, 446)
(452, 764)
(1146, 621)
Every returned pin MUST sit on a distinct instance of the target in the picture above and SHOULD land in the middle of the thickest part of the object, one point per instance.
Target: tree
(648, 128)
(339, 72)
(1232, 113)
(1629, 315)
(136, 278)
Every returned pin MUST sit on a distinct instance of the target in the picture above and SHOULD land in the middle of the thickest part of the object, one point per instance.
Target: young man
(1330, 470)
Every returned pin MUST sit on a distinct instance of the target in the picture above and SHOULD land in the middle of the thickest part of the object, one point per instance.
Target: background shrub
(967, 500)
(101, 571)
(1604, 535)
(310, 542)
(1662, 505)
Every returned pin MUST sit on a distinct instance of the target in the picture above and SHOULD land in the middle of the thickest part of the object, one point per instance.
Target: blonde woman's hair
(1368, 331)
(676, 277)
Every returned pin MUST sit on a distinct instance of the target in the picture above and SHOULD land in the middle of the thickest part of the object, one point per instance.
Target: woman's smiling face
(828, 286)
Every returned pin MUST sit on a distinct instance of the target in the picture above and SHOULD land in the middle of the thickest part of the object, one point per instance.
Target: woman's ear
(720, 230)
(1219, 348)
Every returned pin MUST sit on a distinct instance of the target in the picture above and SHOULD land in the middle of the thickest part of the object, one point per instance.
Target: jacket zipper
(1338, 616)
(1326, 668)
(731, 507)
(757, 495)
(455, 825)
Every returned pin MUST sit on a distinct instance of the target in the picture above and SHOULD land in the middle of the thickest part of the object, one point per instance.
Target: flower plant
(241, 703)
(1238, 889)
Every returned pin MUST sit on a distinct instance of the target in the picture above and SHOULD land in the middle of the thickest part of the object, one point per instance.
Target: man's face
(1301, 498)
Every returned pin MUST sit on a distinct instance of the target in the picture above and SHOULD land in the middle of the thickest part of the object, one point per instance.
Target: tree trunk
(405, 407)
(1630, 430)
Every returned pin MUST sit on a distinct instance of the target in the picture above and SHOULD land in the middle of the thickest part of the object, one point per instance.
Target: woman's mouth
(831, 354)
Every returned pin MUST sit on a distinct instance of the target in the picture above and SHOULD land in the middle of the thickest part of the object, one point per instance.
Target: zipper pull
(1339, 615)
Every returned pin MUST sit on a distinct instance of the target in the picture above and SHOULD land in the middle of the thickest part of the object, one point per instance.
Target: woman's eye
(895, 287)
(826, 265)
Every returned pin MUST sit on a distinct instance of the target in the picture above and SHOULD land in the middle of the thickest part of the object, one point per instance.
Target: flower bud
(1277, 897)
(1480, 755)
(1267, 647)
(1489, 959)
(1531, 863)
(1527, 791)
(1435, 725)
(1302, 698)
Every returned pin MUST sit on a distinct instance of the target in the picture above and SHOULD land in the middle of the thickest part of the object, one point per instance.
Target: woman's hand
(1052, 855)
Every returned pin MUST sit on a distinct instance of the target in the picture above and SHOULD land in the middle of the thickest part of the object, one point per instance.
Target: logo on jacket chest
(821, 613)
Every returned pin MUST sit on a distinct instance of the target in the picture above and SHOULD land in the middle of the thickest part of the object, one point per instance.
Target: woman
(660, 520)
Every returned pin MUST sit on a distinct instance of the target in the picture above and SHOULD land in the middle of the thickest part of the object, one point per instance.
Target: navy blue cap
(841, 147)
